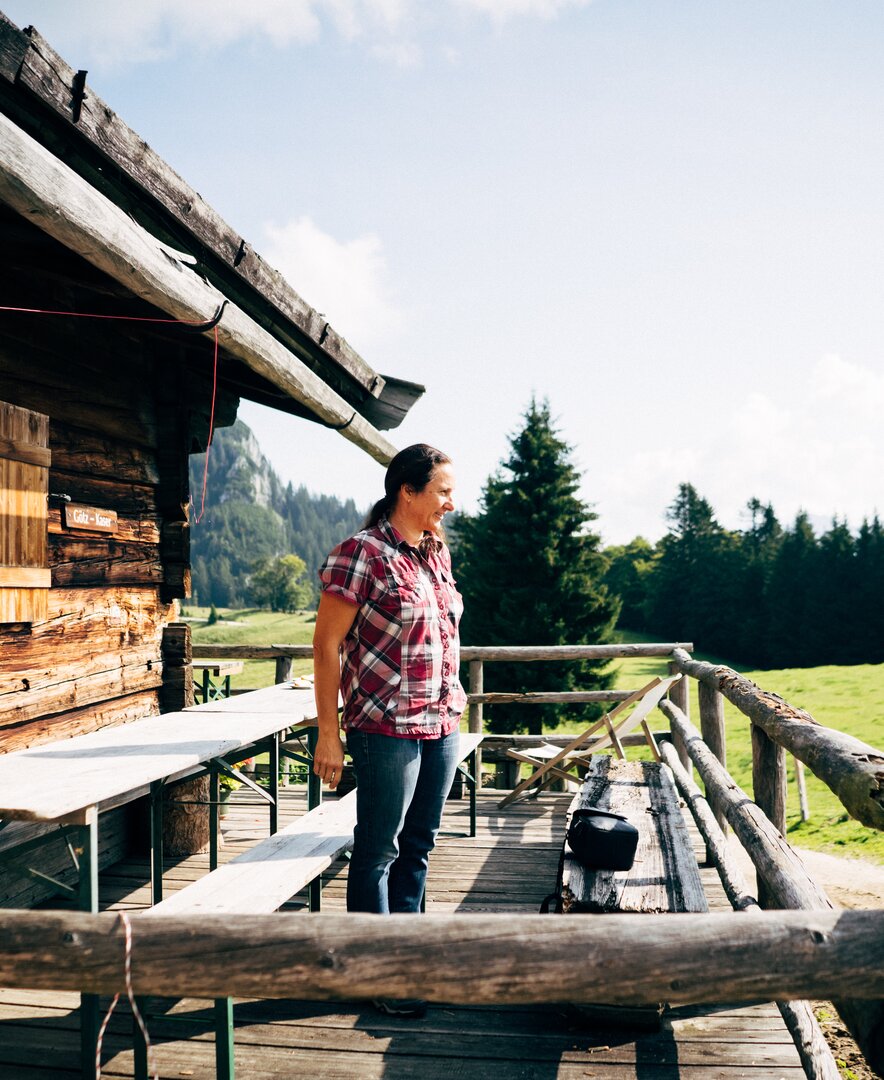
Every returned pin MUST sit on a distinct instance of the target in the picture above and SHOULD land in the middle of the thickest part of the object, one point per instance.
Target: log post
(475, 718)
(801, 785)
(186, 809)
(769, 790)
(713, 732)
(283, 669)
(679, 695)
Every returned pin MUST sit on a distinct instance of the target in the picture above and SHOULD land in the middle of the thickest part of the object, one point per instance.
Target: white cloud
(347, 281)
(501, 10)
(821, 451)
(111, 34)
(402, 54)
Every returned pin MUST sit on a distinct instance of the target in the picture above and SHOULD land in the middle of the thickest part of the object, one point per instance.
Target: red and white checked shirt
(399, 674)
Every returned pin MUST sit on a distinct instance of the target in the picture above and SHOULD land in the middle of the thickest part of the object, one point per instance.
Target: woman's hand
(328, 758)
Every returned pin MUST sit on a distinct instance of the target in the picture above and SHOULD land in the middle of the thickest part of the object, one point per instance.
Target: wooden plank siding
(509, 866)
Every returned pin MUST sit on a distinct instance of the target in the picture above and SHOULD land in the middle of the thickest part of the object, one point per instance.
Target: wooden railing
(853, 770)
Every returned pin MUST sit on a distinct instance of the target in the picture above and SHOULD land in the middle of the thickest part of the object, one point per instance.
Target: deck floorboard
(509, 866)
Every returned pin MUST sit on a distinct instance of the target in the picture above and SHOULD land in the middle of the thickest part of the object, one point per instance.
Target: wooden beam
(852, 769)
(786, 881)
(817, 1058)
(568, 652)
(38, 72)
(618, 959)
(57, 200)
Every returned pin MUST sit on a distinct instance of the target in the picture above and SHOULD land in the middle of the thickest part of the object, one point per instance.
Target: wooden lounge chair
(576, 753)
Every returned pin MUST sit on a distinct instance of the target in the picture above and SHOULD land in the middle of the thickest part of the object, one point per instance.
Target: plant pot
(224, 802)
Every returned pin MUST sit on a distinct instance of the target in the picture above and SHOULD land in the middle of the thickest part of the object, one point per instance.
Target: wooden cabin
(132, 321)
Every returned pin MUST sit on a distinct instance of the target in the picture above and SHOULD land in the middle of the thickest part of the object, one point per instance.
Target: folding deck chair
(577, 753)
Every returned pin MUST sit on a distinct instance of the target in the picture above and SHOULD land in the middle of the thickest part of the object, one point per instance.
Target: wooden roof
(51, 103)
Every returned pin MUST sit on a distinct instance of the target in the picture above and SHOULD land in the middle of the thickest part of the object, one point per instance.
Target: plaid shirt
(399, 674)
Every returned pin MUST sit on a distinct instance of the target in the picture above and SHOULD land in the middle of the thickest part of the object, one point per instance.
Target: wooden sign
(77, 516)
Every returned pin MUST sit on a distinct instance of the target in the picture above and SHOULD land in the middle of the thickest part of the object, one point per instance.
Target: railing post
(801, 785)
(283, 669)
(713, 732)
(680, 697)
(475, 719)
(768, 788)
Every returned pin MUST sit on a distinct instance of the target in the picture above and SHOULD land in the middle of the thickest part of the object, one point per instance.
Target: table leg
(156, 841)
(214, 815)
(224, 1063)
(314, 784)
(89, 1019)
(207, 685)
(473, 781)
(273, 782)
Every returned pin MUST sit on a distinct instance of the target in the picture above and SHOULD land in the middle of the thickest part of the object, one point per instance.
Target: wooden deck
(509, 866)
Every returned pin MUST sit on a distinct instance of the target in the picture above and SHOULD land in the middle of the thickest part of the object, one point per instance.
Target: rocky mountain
(250, 514)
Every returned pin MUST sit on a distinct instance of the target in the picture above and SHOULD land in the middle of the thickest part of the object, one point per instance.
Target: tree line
(766, 596)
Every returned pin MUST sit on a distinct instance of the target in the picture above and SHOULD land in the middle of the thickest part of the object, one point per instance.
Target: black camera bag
(602, 840)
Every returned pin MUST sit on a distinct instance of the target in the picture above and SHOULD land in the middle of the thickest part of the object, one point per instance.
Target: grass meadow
(848, 698)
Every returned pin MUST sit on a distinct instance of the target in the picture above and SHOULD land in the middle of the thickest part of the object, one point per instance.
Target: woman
(390, 606)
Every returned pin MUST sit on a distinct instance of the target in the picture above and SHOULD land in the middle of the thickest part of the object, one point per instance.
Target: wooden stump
(186, 818)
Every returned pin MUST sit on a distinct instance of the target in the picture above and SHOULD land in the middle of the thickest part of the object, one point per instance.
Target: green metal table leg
(473, 783)
(224, 1063)
(214, 813)
(139, 1046)
(89, 1019)
(156, 841)
(314, 784)
(273, 782)
(314, 798)
(207, 686)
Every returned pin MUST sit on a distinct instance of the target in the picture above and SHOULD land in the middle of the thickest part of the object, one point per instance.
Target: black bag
(602, 840)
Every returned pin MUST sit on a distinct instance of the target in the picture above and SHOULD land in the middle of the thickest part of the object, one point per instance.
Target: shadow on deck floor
(509, 866)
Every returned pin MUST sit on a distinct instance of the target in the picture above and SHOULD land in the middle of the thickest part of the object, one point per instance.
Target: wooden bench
(664, 876)
(263, 878)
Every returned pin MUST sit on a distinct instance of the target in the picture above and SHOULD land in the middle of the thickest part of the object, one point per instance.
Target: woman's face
(429, 506)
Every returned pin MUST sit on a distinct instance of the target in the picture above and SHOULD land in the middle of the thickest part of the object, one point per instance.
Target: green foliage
(280, 583)
(531, 573)
(250, 515)
(772, 597)
(213, 616)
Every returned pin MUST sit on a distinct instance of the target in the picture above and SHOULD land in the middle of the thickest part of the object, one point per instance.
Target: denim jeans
(401, 787)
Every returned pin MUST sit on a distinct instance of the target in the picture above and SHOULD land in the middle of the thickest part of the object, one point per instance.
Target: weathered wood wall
(126, 404)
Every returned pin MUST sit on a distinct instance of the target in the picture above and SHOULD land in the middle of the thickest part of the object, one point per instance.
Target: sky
(666, 218)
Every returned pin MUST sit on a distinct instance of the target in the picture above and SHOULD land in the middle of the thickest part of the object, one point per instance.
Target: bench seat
(665, 876)
(263, 878)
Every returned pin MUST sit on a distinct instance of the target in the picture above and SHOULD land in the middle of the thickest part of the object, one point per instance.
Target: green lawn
(849, 699)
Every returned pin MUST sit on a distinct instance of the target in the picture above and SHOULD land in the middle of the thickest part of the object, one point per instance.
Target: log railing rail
(853, 770)
(617, 959)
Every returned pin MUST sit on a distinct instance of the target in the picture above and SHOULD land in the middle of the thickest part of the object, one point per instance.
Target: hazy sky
(666, 217)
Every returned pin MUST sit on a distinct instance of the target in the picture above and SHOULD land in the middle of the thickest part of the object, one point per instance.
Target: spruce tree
(530, 571)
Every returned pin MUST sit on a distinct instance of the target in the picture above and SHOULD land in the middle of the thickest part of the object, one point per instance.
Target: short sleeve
(347, 572)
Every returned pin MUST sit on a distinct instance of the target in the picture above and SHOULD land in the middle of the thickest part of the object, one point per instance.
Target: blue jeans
(401, 787)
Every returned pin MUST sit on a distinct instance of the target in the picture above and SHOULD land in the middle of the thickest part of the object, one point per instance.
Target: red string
(144, 318)
(89, 315)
